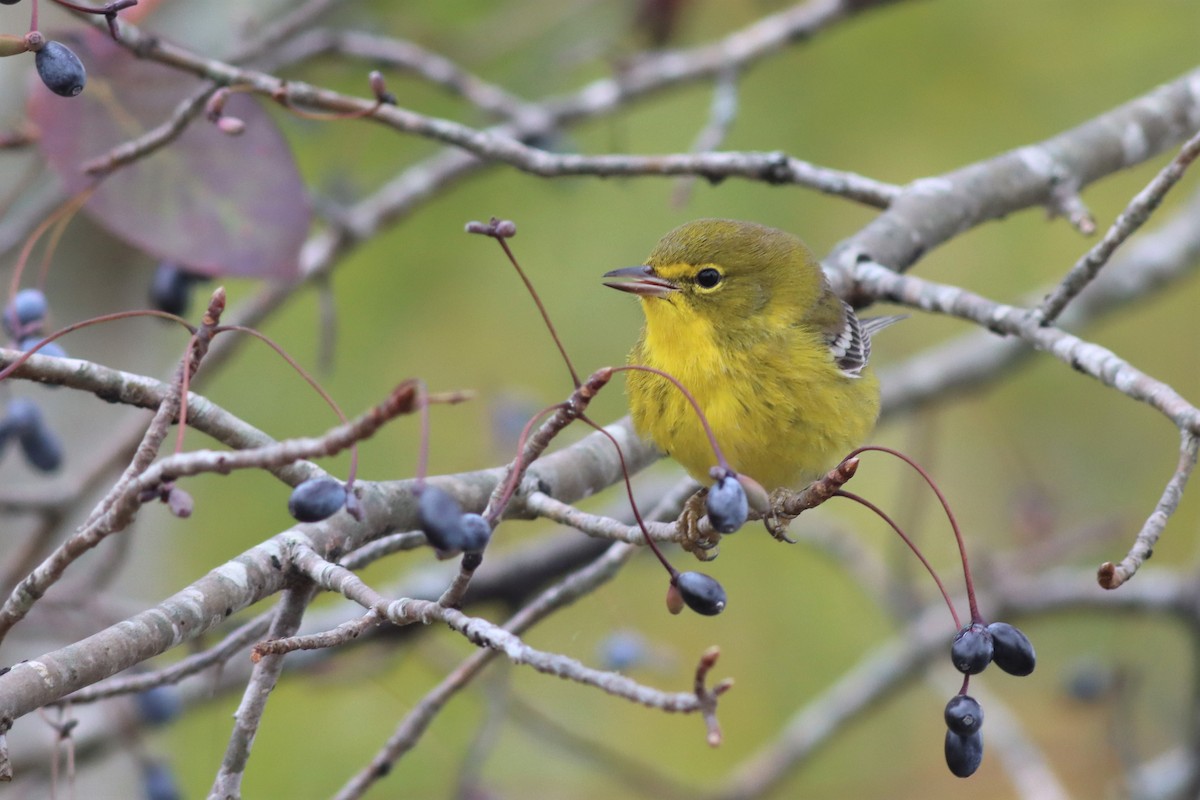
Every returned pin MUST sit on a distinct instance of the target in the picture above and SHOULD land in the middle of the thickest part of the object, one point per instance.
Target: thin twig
(1127, 223)
(1112, 575)
(249, 714)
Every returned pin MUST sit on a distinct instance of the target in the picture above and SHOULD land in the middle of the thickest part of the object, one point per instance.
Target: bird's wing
(851, 346)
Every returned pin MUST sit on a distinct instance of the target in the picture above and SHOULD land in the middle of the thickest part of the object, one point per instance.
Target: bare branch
(1112, 575)
(1126, 224)
(254, 701)
(1089, 358)
(931, 211)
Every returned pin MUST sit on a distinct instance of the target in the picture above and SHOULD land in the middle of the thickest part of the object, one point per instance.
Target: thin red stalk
(69, 207)
(87, 323)
(314, 384)
(958, 537)
(911, 546)
(517, 464)
(633, 503)
(545, 315)
(712, 438)
(60, 227)
(423, 448)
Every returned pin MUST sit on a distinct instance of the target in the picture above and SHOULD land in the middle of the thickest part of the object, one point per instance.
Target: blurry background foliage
(897, 94)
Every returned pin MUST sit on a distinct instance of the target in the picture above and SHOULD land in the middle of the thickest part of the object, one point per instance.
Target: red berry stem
(911, 546)
(958, 537)
(502, 230)
(637, 515)
(712, 438)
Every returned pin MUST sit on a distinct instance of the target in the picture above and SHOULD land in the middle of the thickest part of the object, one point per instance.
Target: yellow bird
(743, 316)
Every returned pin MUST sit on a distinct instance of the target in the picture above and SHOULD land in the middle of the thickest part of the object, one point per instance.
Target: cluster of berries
(976, 646)
(23, 319)
(727, 509)
(447, 527)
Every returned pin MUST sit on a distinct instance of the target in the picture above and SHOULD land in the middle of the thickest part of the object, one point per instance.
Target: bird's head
(731, 274)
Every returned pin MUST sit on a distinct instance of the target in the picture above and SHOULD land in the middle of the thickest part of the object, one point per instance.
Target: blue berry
(476, 533)
(160, 704)
(60, 69)
(701, 593)
(28, 307)
(316, 499)
(623, 650)
(22, 415)
(964, 753)
(52, 349)
(158, 781)
(964, 715)
(1091, 682)
(441, 519)
(727, 505)
(171, 288)
(41, 447)
(1012, 650)
(972, 649)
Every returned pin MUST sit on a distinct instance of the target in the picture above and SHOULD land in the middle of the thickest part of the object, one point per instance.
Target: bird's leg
(786, 504)
(776, 520)
(697, 536)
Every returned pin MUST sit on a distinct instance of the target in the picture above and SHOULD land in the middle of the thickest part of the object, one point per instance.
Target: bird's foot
(786, 504)
(776, 520)
(696, 535)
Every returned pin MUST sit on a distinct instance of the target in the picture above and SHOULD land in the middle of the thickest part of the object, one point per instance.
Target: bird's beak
(641, 280)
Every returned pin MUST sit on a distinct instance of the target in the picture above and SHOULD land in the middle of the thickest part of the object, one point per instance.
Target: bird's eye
(708, 278)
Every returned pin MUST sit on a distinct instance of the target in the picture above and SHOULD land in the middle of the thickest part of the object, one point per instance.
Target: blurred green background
(901, 93)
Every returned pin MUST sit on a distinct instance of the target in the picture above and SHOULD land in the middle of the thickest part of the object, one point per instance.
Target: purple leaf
(213, 203)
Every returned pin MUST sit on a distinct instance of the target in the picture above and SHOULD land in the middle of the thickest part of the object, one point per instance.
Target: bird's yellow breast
(781, 410)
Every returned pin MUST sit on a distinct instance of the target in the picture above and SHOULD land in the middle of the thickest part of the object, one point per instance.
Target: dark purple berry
(60, 69)
(476, 532)
(21, 415)
(316, 499)
(623, 650)
(158, 782)
(171, 288)
(52, 349)
(1012, 650)
(964, 753)
(160, 704)
(441, 519)
(701, 593)
(41, 447)
(29, 307)
(1088, 682)
(964, 715)
(727, 505)
(972, 649)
